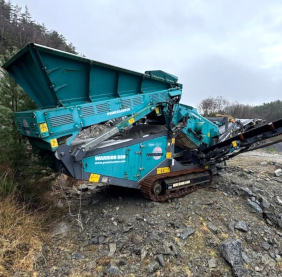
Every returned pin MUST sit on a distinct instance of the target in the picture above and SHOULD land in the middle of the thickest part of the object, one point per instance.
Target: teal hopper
(53, 78)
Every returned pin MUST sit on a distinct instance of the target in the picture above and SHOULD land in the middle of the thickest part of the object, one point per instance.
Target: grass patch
(23, 218)
(21, 236)
(7, 186)
(270, 150)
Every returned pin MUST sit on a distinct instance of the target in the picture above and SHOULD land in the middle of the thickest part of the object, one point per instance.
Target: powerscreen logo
(157, 153)
(118, 111)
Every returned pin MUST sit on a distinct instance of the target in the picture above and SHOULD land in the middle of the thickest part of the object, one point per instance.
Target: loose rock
(113, 270)
(187, 232)
(161, 260)
(212, 227)
(82, 187)
(245, 191)
(246, 258)
(256, 207)
(137, 239)
(265, 245)
(77, 256)
(60, 229)
(91, 187)
(268, 261)
(113, 248)
(231, 251)
(212, 263)
(153, 267)
(278, 172)
(278, 200)
(241, 226)
(264, 203)
(143, 253)
(231, 226)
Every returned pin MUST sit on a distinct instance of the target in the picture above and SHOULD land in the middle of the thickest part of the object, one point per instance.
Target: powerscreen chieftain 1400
(150, 141)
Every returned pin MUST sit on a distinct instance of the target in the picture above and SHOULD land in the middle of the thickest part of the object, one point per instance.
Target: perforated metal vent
(137, 101)
(126, 103)
(87, 111)
(19, 126)
(32, 127)
(162, 96)
(155, 98)
(102, 108)
(61, 120)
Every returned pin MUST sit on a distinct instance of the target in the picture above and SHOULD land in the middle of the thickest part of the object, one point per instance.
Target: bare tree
(213, 105)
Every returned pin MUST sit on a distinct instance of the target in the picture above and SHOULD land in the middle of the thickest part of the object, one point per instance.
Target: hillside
(18, 28)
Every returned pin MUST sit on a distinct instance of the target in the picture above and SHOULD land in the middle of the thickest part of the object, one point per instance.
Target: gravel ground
(231, 228)
(278, 147)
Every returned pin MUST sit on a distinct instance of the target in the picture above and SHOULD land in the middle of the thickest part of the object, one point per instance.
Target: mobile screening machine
(156, 144)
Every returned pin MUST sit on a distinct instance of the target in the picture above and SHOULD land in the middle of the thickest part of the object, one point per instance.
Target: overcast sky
(227, 48)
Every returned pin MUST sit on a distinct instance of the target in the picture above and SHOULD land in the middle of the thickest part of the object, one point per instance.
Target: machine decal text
(118, 111)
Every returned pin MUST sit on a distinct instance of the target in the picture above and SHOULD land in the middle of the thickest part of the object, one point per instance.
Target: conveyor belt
(220, 151)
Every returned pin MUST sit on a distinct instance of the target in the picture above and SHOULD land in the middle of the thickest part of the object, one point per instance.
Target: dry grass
(78, 273)
(21, 236)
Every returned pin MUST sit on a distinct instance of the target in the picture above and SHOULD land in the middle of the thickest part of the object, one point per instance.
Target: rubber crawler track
(146, 185)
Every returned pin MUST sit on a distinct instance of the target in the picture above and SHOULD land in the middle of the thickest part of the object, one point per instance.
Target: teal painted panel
(103, 83)
(150, 85)
(26, 124)
(26, 73)
(129, 84)
(68, 77)
(128, 162)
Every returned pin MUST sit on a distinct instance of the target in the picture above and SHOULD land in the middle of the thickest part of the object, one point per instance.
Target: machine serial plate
(179, 184)
(161, 170)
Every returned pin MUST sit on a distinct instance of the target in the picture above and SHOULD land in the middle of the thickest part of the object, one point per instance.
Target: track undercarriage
(162, 187)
